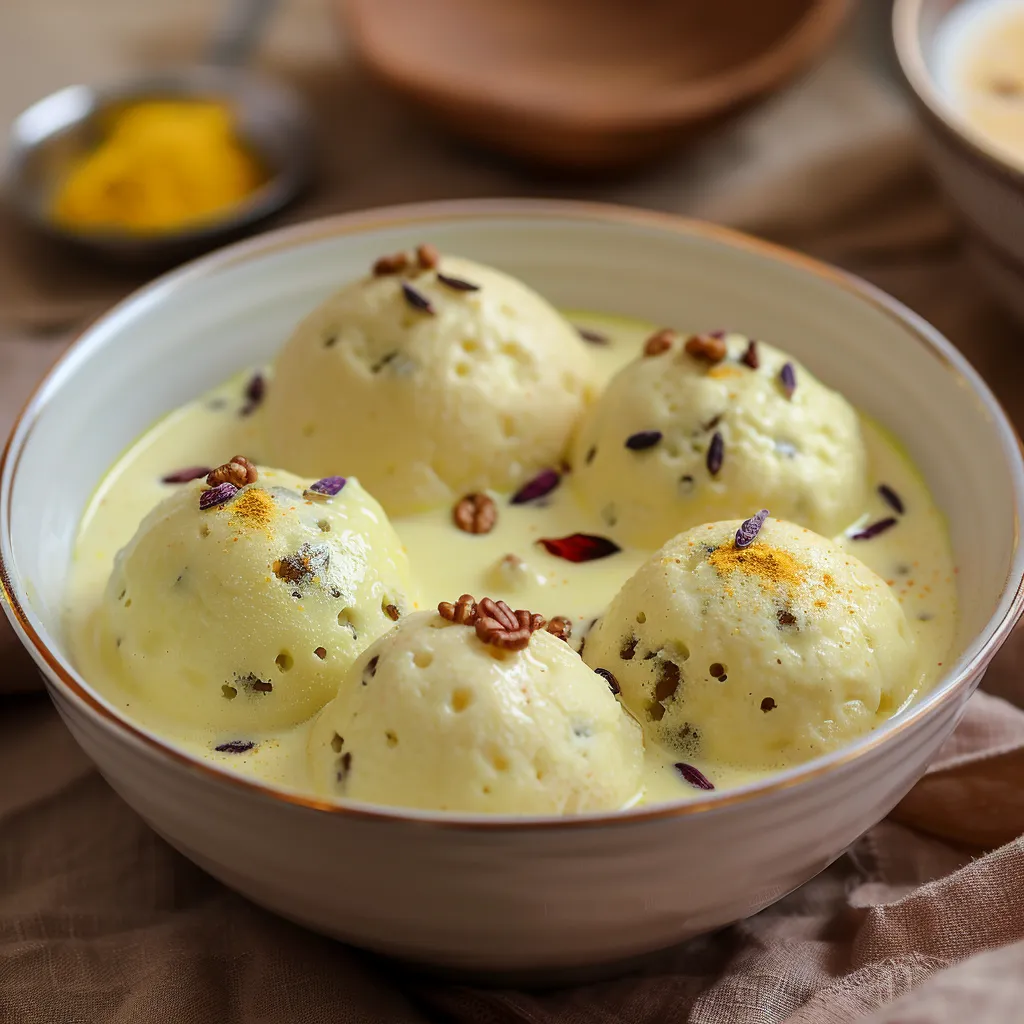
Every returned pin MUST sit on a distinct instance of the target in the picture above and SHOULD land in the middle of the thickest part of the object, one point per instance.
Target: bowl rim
(789, 53)
(74, 687)
(940, 113)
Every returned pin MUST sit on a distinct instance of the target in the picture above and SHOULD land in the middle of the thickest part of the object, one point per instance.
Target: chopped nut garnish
(475, 513)
(462, 612)
(561, 627)
(497, 625)
(393, 264)
(239, 471)
(707, 347)
(495, 622)
(660, 341)
(427, 256)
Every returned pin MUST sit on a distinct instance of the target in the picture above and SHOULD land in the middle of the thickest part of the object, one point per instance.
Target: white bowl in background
(503, 893)
(986, 189)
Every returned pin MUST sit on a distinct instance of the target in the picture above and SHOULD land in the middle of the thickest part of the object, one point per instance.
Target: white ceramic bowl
(986, 190)
(503, 894)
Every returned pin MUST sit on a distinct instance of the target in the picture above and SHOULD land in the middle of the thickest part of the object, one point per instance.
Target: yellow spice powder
(164, 165)
(255, 508)
(769, 564)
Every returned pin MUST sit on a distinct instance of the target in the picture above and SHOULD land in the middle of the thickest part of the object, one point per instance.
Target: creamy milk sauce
(980, 68)
(913, 558)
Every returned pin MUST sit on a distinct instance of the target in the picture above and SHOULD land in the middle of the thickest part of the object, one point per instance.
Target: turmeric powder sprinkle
(255, 507)
(769, 564)
(163, 166)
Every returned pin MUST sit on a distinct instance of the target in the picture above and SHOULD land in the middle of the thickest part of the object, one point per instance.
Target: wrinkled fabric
(921, 921)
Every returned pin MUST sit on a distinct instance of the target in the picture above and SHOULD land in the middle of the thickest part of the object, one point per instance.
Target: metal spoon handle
(239, 32)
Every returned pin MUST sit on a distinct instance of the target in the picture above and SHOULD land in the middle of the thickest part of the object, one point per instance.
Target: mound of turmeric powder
(163, 166)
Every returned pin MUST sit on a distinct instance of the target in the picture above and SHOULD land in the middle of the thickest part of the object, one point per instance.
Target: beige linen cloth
(923, 919)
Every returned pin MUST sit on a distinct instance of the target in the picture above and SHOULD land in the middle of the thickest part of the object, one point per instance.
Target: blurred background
(841, 120)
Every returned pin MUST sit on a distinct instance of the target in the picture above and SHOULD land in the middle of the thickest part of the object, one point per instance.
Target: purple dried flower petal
(643, 439)
(329, 485)
(787, 375)
(750, 528)
(694, 776)
(253, 394)
(874, 529)
(751, 357)
(613, 683)
(716, 453)
(579, 547)
(417, 299)
(256, 388)
(891, 498)
(183, 476)
(542, 484)
(235, 747)
(217, 495)
(594, 337)
(457, 283)
(717, 334)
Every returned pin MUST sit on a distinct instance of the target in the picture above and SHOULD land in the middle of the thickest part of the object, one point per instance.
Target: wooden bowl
(587, 84)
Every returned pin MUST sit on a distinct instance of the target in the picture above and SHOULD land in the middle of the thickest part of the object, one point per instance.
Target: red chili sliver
(579, 547)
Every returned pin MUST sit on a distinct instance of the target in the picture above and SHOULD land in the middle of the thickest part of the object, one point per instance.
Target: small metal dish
(270, 118)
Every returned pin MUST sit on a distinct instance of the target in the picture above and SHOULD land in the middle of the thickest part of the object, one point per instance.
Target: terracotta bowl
(488, 892)
(986, 189)
(587, 84)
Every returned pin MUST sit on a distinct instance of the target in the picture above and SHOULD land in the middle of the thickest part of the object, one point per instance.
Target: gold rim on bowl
(76, 689)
